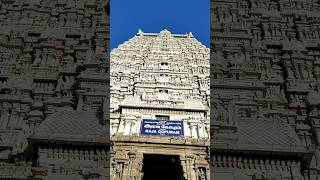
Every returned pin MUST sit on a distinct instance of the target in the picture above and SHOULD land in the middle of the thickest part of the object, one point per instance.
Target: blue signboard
(161, 127)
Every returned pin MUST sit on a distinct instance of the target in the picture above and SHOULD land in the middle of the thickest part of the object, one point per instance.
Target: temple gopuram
(159, 121)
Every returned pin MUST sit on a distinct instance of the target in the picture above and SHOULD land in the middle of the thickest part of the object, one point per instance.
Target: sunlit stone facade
(159, 76)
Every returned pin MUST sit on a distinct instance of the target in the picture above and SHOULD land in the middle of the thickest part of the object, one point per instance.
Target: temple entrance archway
(160, 167)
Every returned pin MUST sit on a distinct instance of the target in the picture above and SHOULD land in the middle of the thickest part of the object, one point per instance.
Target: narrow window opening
(161, 117)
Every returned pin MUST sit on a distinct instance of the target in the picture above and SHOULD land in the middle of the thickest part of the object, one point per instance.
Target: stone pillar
(127, 124)
(316, 131)
(184, 166)
(202, 131)
(125, 172)
(113, 129)
(133, 127)
(208, 173)
(138, 126)
(289, 70)
(4, 117)
(139, 163)
(121, 125)
(80, 103)
(186, 128)
(202, 168)
(309, 70)
(193, 170)
(188, 167)
(194, 132)
(135, 166)
(131, 173)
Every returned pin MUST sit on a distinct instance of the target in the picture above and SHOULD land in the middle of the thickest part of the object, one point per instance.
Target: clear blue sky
(178, 16)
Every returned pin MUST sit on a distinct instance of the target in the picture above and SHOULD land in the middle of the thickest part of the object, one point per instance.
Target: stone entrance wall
(159, 74)
(127, 156)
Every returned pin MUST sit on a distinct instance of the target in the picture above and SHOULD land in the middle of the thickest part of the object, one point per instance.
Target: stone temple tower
(159, 121)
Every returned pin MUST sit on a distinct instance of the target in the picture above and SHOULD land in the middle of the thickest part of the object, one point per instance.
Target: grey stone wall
(53, 57)
(265, 89)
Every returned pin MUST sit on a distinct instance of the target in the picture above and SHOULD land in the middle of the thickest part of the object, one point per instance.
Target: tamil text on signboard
(161, 127)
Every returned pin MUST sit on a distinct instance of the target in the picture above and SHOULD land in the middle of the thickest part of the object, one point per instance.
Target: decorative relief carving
(41, 63)
(268, 56)
(157, 83)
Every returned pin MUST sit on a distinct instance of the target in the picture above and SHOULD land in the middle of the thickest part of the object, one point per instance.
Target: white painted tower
(160, 76)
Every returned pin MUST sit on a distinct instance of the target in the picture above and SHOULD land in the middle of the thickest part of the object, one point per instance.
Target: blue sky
(178, 16)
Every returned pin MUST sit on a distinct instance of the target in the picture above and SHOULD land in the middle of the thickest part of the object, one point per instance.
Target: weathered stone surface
(53, 60)
(264, 89)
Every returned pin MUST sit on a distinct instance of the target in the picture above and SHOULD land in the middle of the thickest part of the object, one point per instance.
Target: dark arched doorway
(162, 167)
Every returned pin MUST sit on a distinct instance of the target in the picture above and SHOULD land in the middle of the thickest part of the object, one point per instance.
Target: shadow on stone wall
(54, 81)
(265, 89)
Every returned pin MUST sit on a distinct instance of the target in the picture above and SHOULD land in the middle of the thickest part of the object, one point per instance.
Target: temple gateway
(159, 121)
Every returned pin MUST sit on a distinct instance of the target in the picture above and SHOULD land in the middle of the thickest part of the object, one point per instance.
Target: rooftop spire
(140, 32)
(165, 32)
